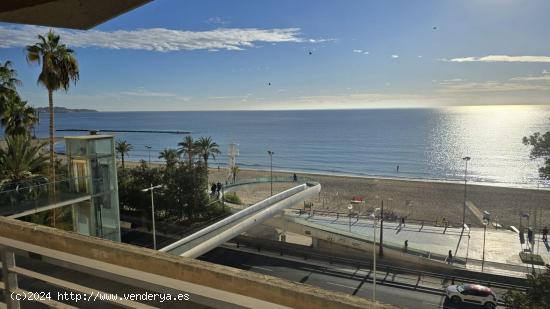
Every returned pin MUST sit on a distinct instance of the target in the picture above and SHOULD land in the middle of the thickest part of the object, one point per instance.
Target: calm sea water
(425, 143)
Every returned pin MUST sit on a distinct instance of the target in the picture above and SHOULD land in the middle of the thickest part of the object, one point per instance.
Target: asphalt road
(347, 280)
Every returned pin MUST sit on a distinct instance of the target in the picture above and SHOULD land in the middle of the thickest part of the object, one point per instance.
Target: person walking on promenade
(450, 257)
(295, 177)
(219, 188)
(402, 221)
(406, 245)
(545, 234)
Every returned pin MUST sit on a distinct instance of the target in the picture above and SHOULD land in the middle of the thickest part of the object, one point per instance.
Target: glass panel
(76, 148)
(103, 146)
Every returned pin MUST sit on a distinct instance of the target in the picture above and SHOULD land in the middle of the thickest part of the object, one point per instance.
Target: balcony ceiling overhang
(76, 14)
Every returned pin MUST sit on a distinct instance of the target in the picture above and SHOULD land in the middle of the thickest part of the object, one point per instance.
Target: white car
(472, 293)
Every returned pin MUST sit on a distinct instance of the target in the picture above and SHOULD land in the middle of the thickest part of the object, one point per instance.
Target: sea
(426, 143)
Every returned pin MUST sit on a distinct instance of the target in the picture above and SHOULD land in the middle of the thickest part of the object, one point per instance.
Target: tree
(207, 148)
(234, 172)
(188, 148)
(123, 148)
(8, 80)
(59, 69)
(541, 149)
(170, 156)
(536, 297)
(17, 117)
(21, 161)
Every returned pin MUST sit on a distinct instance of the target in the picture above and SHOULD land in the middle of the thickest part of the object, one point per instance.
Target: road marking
(258, 267)
(345, 286)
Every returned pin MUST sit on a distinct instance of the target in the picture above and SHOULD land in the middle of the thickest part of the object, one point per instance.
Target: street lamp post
(350, 208)
(466, 159)
(381, 245)
(374, 255)
(149, 151)
(151, 188)
(271, 153)
(485, 222)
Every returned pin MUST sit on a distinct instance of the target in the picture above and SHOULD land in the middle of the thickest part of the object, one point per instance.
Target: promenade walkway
(502, 246)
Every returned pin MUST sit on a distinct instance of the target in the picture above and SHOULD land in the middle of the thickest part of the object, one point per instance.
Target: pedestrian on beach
(295, 177)
(406, 245)
(545, 234)
(450, 257)
(397, 168)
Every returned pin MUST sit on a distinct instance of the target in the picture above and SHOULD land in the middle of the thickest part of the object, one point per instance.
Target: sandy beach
(421, 200)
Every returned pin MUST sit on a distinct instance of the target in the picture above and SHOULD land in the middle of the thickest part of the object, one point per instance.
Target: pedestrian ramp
(222, 231)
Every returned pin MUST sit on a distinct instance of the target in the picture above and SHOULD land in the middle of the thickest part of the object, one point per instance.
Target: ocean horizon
(426, 143)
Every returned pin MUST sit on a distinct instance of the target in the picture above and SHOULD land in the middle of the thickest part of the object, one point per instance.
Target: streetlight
(350, 208)
(271, 153)
(381, 247)
(485, 222)
(466, 159)
(149, 151)
(373, 215)
(151, 188)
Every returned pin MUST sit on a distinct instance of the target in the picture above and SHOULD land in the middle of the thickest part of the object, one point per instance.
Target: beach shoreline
(418, 199)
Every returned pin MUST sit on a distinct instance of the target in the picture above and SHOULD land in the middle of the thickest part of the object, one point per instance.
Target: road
(400, 290)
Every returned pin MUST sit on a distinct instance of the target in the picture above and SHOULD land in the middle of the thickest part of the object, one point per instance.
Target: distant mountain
(60, 109)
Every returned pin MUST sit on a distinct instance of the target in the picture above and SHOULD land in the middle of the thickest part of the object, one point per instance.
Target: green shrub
(232, 198)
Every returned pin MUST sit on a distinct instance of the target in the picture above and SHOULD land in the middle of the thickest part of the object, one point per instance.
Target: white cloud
(360, 51)
(531, 78)
(451, 81)
(156, 39)
(395, 56)
(218, 20)
(491, 86)
(501, 58)
(145, 93)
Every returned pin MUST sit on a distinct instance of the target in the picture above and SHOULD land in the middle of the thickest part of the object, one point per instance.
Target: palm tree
(17, 117)
(234, 172)
(8, 82)
(59, 68)
(170, 156)
(123, 148)
(21, 161)
(188, 147)
(8, 77)
(207, 148)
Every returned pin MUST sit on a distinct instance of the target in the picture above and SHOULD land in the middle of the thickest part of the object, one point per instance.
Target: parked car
(472, 293)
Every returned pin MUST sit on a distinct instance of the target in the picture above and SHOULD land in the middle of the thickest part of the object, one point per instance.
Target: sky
(266, 55)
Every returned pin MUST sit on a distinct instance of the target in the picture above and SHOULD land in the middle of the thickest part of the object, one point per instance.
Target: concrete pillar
(9, 278)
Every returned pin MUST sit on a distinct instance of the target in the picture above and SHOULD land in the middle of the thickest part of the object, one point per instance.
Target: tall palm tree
(123, 148)
(234, 171)
(8, 82)
(207, 148)
(21, 161)
(170, 156)
(188, 148)
(59, 69)
(17, 117)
